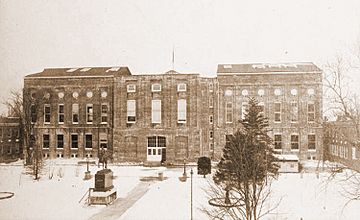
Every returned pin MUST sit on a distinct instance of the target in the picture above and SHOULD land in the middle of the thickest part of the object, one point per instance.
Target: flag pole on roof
(173, 57)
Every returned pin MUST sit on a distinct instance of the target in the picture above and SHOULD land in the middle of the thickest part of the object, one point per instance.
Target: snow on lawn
(58, 198)
(302, 195)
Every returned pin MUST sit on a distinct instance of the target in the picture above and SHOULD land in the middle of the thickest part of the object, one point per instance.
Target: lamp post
(184, 173)
(191, 193)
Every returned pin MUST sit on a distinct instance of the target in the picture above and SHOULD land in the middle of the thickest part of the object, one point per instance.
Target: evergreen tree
(248, 161)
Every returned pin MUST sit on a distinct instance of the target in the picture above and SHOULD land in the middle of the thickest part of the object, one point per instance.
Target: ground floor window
(277, 142)
(103, 141)
(294, 142)
(88, 141)
(60, 141)
(46, 141)
(311, 142)
(155, 146)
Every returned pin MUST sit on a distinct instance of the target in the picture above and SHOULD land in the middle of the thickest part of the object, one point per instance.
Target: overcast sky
(141, 34)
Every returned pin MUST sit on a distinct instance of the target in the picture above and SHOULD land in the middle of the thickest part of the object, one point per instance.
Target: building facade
(10, 142)
(340, 140)
(172, 117)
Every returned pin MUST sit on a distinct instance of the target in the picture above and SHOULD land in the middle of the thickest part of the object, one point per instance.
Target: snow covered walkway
(121, 205)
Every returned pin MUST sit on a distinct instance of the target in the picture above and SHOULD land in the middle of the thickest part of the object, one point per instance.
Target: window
(294, 142)
(131, 111)
(229, 112)
(277, 142)
(181, 87)
(155, 145)
(353, 153)
(245, 92)
(33, 114)
(211, 102)
(156, 87)
(262, 108)
(103, 140)
(211, 87)
(75, 113)
(294, 112)
(277, 92)
(47, 114)
(74, 141)
(88, 141)
(156, 111)
(211, 135)
(104, 113)
(46, 141)
(277, 112)
(89, 113)
(131, 88)
(61, 113)
(211, 119)
(60, 141)
(182, 111)
(311, 112)
(311, 142)
(244, 107)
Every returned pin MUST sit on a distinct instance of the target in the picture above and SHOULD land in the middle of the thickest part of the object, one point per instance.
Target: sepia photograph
(179, 110)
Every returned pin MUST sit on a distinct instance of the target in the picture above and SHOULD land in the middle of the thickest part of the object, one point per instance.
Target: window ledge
(295, 150)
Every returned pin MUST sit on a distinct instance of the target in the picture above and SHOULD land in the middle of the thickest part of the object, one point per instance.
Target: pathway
(119, 207)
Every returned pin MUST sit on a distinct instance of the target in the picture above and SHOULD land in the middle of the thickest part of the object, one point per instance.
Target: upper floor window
(261, 92)
(182, 111)
(261, 106)
(228, 92)
(293, 92)
(311, 112)
(211, 135)
(277, 112)
(60, 141)
(131, 111)
(211, 87)
(181, 87)
(294, 112)
(229, 112)
(75, 113)
(33, 114)
(277, 92)
(245, 92)
(104, 113)
(104, 94)
(244, 108)
(156, 87)
(89, 114)
(211, 119)
(47, 114)
(61, 114)
(156, 111)
(211, 102)
(311, 92)
(131, 88)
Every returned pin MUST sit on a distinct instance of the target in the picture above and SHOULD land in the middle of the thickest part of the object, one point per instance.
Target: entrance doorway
(156, 148)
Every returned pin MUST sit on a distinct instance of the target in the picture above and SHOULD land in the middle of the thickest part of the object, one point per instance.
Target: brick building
(10, 142)
(173, 116)
(340, 141)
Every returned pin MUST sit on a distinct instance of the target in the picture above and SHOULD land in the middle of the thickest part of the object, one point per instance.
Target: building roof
(267, 68)
(81, 72)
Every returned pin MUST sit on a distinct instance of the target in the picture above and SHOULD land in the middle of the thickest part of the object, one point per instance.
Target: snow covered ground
(302, 196)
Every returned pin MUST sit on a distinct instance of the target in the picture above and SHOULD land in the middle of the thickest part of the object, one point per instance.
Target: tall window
(74, 141)
(155, 145)
(75, 113)
(311, 142)
(88, 141)
(156, 111)
(89, 114)
(33, 114)
(277, 142)
(211, 119)
(182, 111)
(277, 112)
(211, 135)
(311, 112)
(46, 141)
(211, 102)
(47, 114)
(244, 107)
(294, 142)
(131, 111)
(61, 114)
(60, 141)
(104, 113)
(103, 140)
(211, 87)
(294, 112)
(229, 112)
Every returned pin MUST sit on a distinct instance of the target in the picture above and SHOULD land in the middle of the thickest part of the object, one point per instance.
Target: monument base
(102, 198)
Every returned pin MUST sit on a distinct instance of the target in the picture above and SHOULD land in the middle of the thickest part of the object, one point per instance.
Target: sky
(142, 34)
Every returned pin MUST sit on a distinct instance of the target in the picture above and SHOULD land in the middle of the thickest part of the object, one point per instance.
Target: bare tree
(26, 106)
(245, 171)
